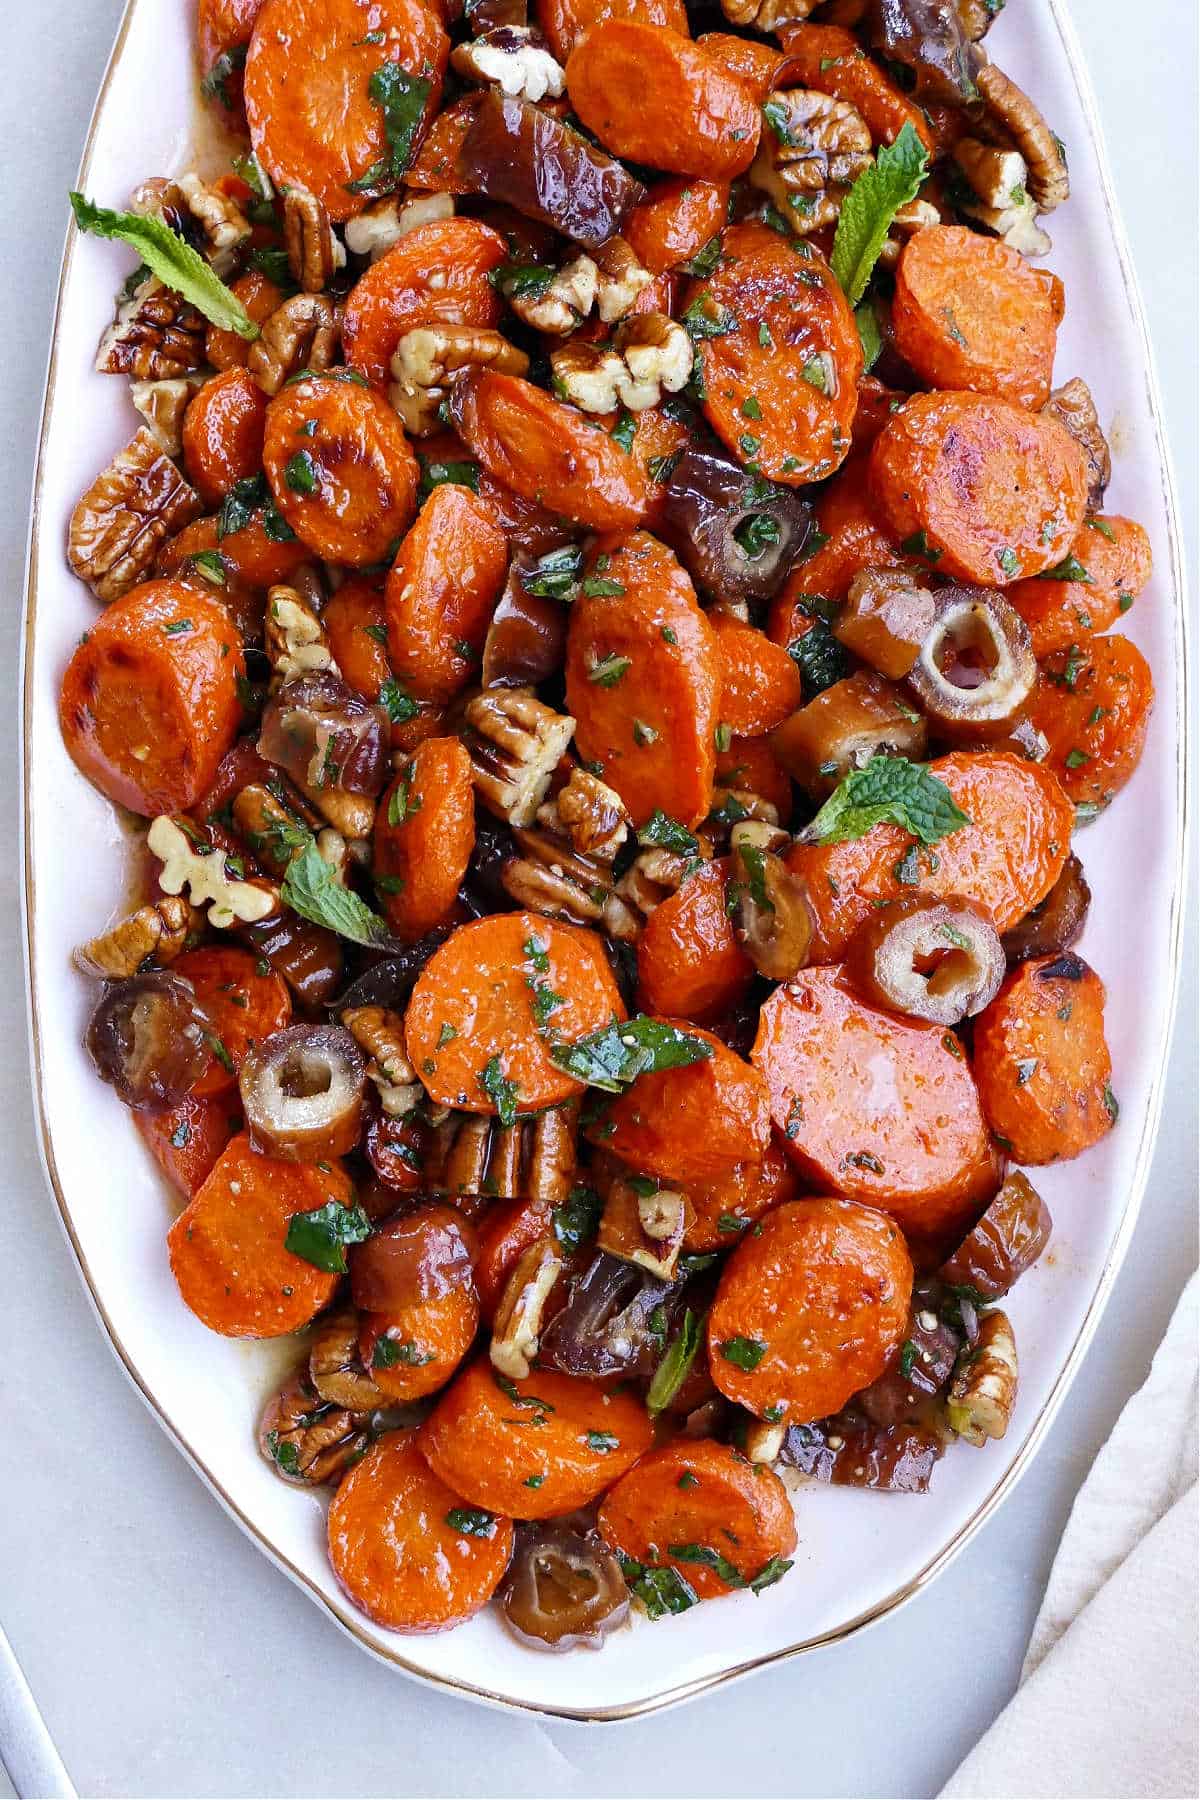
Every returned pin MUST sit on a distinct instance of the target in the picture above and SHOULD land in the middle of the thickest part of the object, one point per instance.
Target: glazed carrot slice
(340, 469)
(658, 440)
(690, 1124)
(780, 355)
(223, 434)
(1006, 860)
(872, 1107)
(749, 765)
(653, 96)
(1106, 569)
(509, 1229)
(228, 1246)
(260, 297)
(536, 1447)
(720, 1211)
(415, 1351)
(253, 556)
(675, 220)
(833, 61)
(752, 62)
(223, 30)
(245, 1003)
(565, 21)
(848, 538)
(424, 835)
(979, 487)
(690, 965)
(442, 592)
(491, 1001)
(812, 1307)
(548, 452)
(313, 121)
(760, 684)
(356, 625)
(186, 1141)
(701, 1508)
(969, 312)
(643, 680)
(437, 274)
(1042, 1061)
(404, 1547)
(1093, 703)
(149, 702)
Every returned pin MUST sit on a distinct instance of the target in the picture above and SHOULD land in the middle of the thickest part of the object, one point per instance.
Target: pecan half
(812, 149)
(534, 1159)
(515, 744)
(163, 404)
(651, 878)
(1012, 116)
(155, 336)
(560, 303)
(517, 1327)
(335, 1367)
(159, 930)
(303, 333)
(129, 511)
(551, 878)
(997, 175)
(590, 814)
(379, 1032)
(305, 1439)
(620, 278)
(314, 250)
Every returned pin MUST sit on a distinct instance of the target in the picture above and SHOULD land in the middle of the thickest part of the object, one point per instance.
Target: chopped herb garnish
(743, 1352)
(611, 1058)
(502, 1092)
(320, 1237)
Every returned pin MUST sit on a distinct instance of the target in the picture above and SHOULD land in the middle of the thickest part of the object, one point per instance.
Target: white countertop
(169, 1658)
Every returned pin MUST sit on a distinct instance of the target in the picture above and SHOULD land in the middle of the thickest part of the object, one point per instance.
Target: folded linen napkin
(1107, 1703)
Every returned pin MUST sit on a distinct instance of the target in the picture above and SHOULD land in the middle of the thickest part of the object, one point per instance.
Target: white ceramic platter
(860, 1554)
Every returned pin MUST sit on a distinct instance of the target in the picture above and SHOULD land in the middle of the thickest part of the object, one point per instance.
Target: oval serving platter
(859, 1555)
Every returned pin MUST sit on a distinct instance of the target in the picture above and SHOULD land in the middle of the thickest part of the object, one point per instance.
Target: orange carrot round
(1106, 569)
(675, 220)
(749, 764)
(415, 1351)
(442, 591)
(186, 1140)
(756, 64)
(509, 1229)
(356, 625)
(720, 1211)
(689, 1124)
(565, 21)
(690, 965)
(436, 274)
(244, 1002)
(812, 1307)
(424, 835)
(1093, 703)
(260, 297)
(760, 684)
(832, 60)
(250, 556)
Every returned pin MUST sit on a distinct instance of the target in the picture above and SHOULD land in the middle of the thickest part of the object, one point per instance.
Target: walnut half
(649, 354)
(159, 930)
(812, 149)
(130, 510)
(203, 873)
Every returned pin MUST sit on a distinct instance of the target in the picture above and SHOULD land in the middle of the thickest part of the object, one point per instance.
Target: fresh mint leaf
(770, 1573)
(869, 208)
(577, 1220)
(311, 889)
(613, 1057)
(402, 98)
(820, 658)
(661, 1591)
(501, 1091)
(866, 318)
(471, 1521)
(400, 707)
(675, 1366)
(389, 1351)
(172, 259)
(712, 1559)
(705, 319)
(743, 1352)
(889, 790)
(556, 575)
(665, 833)
(320, 1237)
(433, 474)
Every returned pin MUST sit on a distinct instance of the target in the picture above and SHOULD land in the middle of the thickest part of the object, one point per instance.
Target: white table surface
(168, 1657)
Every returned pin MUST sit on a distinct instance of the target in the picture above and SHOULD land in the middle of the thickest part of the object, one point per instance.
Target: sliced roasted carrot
(812, 1307)
(1042, 1061)
(424, 835)
(979, 487)
(228, 1247)
(690, 1124)
(442, 591)
(690, 965)
(258, 554)
(405, 1548)
(873, 1107)
(675, 220)
(509, 1229)
(223, 29)
(1093, 702)
(702, 1508)
(565, 21)
(548, 452)
(643, 680)
(653, 96)
(832, 60)
(223, 434)
(186, 1140)
(848, 538)
(1006, 860)
(356, 625)
(340, 469)
(437, 274)
(434, 169)
(493, 999)
(416, 1350)
(149, 702)
(536, 1447)
(748, 59)
(245, 1002)
(659, 440)
(749, 765)
(260, 297)
(760, 684)
(969, 312)
(314, 121)
(780, 355)
(1106, 569)
(720, 1211)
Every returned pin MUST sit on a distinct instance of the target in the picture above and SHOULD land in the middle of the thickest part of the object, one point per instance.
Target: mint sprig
(311, 889)
(172, 259)
(890, 790)
(869, 208)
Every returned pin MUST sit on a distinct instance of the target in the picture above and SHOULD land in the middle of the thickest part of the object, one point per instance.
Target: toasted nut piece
(225, 226)
(305, 1439)
(515, 745)
(314, 250)
(732, 807)
(533, 1159)
(814, 148)
(762, 1442)
(590, 813)
(514, 58)
(269, 830)
(335, 1367)
(155, 336)
(997, 174)
(757, 834)
(379, 1033)
(774, 920)
(551, 878)
(984, 1390)
(428, 357)
(1012, 117)
(767, 15)
(129, 511)
(620, 279)
(386, 221)
(648, 355)
(303, 333)
(594, 377)
(886, 618)
(651, 878)
(551, 1153)
(202, 872)
(1073, 406)
(643, 1223)
(294, 637)
(913, 217)
(163, 404)
(563, 303)
(844, 727)
(521, 1312)
(159, 931)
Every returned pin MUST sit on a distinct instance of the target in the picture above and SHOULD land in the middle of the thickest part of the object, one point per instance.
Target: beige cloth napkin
(1107, 1704)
